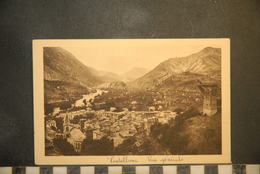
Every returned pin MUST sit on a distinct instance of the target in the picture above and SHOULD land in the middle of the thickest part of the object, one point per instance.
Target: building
(76, 138)
(160, 108)
(82, 124)
(147, 127)
(112, 109)
(56, 110)
(97, 134)
(50, 134)
(151, 108)
(125, 110)
(117, 140)
(66, 125)
(51, 124)
(209, 92)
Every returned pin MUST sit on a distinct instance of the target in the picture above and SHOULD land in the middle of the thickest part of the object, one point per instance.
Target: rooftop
(77, 135)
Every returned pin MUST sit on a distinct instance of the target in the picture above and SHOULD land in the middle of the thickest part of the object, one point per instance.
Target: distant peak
(138, 68)
(209, 49)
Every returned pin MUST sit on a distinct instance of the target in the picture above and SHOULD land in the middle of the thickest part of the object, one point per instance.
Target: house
(134, 102)
(125, 109)
(138, 144)
(163, 120)
(112, 109)
(117, 140)
(97, 134)
(147, 126)
(151, 108)
(50, 134)
(124, 134)
(56, 110)
(88, 109)
(160, 108)
(75, 138)
(51, 123)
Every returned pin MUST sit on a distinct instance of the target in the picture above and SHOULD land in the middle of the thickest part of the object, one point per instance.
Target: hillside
(206, 63)
(105, 76)
(113, 85)
(61, 93)
(66, 79)
(133, 74)
(191, 134)
(61, 65)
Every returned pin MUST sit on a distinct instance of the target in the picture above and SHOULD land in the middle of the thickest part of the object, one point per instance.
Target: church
(73, 134)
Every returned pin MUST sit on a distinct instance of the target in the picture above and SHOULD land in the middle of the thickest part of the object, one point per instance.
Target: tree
(64, 147)
(48, 108)
(104, 146)
(190, 113)
(59, 123)
(90, 115)
(76, 119)
(85, 101)
(178, 110)
(128, 146)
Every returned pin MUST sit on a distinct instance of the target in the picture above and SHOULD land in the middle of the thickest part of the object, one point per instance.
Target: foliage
(59, 123)
(190, 133)
(178, 110)
(146, 148)
(76, 119)
(128, 146)
(64, 147)
(104, 146)
(191, 112)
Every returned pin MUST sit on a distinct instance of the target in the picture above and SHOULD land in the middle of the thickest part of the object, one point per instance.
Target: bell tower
(66, 124)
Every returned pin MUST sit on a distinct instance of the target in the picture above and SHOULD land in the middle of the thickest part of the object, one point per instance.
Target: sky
(120, 57)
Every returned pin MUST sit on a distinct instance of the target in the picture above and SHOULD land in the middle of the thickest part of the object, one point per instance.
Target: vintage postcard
(132, 101)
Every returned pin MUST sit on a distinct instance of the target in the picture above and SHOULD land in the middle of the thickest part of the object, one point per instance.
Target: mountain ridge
(204, 62)
(64, 74)
(59, 64)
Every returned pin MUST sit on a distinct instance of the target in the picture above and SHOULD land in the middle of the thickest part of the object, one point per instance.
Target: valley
(86, 108)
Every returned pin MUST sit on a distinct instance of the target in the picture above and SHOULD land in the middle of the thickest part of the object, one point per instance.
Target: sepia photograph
(120, 101)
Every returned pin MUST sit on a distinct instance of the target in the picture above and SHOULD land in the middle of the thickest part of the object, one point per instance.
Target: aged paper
(132, 101)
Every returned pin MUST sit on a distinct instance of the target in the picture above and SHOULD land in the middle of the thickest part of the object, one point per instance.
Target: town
(94, 116)
(116, 126)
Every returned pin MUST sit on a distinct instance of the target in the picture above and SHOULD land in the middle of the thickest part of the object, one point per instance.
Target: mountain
(133, 74)
(61, 65)
(66, 79)
(104, 75)
(205, 63)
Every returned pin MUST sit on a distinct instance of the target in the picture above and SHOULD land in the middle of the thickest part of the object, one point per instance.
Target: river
(89, 97)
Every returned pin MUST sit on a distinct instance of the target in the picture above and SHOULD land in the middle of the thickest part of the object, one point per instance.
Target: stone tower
(209, 92)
